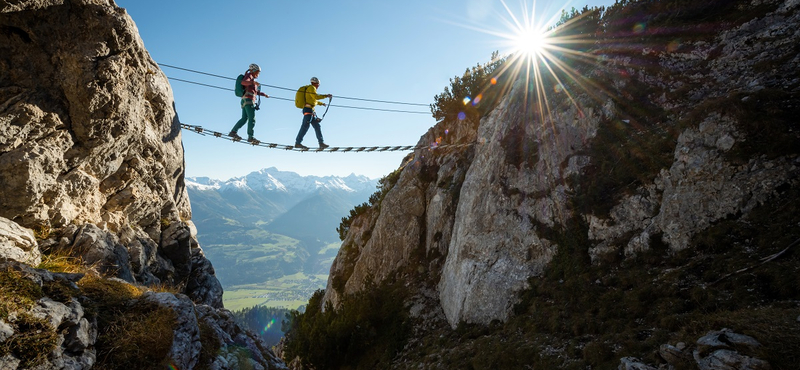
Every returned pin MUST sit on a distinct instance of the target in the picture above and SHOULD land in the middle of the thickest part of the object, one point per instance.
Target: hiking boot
(300, 146)
(323, 145)
(234, 135)
(253, 140)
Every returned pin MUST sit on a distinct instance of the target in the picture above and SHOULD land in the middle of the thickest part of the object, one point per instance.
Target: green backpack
(300, 97)
(239, 89)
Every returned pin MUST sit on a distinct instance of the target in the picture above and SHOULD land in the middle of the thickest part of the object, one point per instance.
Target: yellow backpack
(300, 97)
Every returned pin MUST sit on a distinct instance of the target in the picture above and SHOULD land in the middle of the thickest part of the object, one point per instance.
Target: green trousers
(249, 116)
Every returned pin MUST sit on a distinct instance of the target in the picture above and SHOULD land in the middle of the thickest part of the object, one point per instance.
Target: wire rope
(287, 99)
(290, 89)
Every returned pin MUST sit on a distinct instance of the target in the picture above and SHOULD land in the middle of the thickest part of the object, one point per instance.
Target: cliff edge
(93, 174)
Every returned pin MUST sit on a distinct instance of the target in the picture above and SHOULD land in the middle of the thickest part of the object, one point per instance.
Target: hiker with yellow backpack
(307, 99)
(248, 88)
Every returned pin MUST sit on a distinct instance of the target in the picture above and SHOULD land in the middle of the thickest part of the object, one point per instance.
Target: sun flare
(538, 51)
(530, 42)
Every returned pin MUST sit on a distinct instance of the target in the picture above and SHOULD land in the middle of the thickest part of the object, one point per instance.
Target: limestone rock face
(18, 243)
(92, 160)
(186, 340)
(90, 144)
(89, 131)
(474, 225)
(495, 247)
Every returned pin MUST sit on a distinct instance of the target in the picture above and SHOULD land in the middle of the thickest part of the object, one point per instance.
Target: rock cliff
(93, 171)
(663, 138)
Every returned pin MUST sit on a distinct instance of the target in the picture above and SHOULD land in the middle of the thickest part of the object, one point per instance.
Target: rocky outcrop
(92, 161)
(477, 224)
(90, 146)
(18, 243)
(700, 171)
(717, 350)
(62, 322)
(233, 341)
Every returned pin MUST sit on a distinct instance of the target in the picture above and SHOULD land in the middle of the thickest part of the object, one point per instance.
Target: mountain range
(272, 223)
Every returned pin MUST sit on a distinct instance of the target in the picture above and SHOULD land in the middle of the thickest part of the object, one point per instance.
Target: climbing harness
(202, 131)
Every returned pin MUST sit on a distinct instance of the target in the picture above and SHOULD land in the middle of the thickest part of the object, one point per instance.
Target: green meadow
(290, 292)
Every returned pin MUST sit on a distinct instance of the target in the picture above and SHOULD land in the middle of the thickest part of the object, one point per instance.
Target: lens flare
(268, 326)
(673, 46)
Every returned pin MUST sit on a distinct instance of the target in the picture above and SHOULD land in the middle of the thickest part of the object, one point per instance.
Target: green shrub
(625, 156)
(344, 225)
(365, 332)
(472, 95)
(385, 184)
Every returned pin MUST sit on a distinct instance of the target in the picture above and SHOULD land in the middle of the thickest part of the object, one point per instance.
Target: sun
(525, 37)
(537, 51)
(530, 42)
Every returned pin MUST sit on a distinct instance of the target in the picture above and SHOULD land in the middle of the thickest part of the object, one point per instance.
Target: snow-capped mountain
(261, 196)
(273, 180)
(293, 216)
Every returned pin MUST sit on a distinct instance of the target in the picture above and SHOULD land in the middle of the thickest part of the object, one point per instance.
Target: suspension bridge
(351, 149)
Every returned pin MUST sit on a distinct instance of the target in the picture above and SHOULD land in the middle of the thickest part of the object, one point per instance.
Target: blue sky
(394, 51)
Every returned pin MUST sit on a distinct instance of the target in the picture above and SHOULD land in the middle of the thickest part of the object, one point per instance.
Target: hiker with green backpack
(248, 88)
(306, 98)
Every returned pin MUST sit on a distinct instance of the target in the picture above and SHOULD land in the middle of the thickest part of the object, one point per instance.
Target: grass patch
(16, 292)
(62, 261)
(108, 293)
(33, 338)
(132, 334)
(42, 232)
(137, 337)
